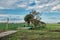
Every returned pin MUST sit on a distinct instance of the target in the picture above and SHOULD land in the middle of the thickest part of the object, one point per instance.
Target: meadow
(12, 26)
(34, 35)
(44, 34)
(53, 26)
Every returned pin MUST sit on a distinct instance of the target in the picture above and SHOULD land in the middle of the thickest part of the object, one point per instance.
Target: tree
(28, 18)
(37, 18)
(34, 18)
(35, 22)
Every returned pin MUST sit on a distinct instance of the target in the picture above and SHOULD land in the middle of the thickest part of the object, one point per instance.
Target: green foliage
(28, 18)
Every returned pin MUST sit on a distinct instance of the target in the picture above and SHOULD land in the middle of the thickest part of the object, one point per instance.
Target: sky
(16, 10)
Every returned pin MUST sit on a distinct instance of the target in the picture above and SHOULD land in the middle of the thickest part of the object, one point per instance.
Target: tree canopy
(30, 18)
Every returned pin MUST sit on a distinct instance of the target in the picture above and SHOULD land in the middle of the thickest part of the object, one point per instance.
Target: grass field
(10, 26)
(33, 34)
(14, 26)
(53, 26)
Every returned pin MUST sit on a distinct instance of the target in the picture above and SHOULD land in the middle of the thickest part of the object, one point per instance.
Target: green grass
(53, 26)
(14, 26)
(35, 35)
(10, 26)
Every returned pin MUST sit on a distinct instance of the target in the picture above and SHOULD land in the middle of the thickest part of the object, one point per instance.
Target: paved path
(7, 33)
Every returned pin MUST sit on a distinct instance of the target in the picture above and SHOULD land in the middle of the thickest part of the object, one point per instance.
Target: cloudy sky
(17, 9)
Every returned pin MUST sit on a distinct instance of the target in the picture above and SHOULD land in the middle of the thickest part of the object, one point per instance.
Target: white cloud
(7, 3)
(2, 8)
(21, 6)
(42, 5)
(39, 4)
(56, 7)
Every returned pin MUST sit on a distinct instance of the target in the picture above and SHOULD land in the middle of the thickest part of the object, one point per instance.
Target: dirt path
(7, 33)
